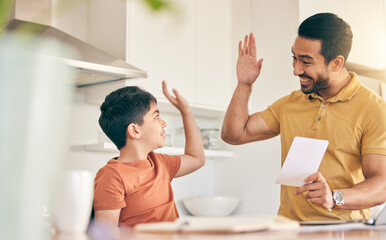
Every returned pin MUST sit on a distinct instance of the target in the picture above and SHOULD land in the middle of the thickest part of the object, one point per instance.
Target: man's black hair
(335, 34)
(122, 107)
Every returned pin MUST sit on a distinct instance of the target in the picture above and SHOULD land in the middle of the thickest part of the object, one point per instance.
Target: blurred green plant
(157, 4)
(5, 7)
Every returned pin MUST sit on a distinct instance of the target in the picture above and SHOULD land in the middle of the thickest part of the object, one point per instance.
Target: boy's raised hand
(178, 101)
(194, 156)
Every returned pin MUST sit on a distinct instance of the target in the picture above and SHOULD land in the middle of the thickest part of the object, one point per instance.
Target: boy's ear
(133, 131)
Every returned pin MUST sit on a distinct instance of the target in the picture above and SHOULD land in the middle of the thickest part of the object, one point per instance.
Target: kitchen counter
(335, 232)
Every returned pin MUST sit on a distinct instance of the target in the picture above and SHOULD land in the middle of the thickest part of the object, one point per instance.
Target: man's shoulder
(294, 96)
(369, 97)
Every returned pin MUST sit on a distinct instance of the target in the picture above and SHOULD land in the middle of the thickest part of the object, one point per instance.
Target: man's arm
(194, 156)
(239, 127)
(110, 217)
(366, 194)
(372, 191)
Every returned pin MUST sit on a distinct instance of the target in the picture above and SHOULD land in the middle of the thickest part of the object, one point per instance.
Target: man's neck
(337, 83)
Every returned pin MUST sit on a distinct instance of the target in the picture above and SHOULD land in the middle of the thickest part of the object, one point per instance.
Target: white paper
(303, 159)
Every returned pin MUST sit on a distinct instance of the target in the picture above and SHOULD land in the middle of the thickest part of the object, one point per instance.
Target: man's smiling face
(310, 65)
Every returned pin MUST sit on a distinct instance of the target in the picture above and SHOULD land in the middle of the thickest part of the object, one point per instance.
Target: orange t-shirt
(141, 189)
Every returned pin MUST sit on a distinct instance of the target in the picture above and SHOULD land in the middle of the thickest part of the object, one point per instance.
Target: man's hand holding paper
(318, 190)
(300, 169)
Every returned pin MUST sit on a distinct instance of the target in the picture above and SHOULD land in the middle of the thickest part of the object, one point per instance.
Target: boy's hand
(178, 101)
(194, 156)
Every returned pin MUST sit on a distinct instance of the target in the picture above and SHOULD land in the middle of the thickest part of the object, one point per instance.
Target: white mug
(73, 202)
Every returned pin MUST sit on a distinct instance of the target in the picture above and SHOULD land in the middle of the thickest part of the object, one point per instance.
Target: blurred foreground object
(35, 97)
(73, 202)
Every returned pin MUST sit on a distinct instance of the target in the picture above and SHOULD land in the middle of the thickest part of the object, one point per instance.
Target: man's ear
(337, 63)
(133, 131)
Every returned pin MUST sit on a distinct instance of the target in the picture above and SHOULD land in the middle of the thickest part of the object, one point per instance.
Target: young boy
(135, 187)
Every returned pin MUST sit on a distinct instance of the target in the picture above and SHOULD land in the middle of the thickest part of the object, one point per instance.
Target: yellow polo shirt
(354, 123)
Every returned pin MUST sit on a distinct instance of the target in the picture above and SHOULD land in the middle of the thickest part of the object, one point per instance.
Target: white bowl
(211, 206)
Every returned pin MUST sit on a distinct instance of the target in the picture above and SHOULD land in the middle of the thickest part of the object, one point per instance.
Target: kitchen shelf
(95, 94)
(197, 109)
(110, 147)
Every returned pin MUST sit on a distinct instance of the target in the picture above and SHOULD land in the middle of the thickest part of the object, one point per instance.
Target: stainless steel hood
(94, 65)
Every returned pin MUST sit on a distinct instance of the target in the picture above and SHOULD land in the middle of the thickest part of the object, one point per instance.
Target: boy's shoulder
(111, 167)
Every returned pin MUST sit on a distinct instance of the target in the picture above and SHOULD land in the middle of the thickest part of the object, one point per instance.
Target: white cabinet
(213, 37)
(163, 44)
(188, 46)
(110, 147)
(190, 49)
(308, 8)
(367, 21)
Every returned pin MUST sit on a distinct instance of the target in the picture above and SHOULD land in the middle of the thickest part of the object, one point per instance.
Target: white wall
(251, 175)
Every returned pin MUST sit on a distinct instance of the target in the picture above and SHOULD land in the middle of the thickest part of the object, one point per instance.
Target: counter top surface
(335, 232)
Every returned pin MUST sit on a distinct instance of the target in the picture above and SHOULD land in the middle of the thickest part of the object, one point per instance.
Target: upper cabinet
(367, 21)
(213, 59)
(163, 43)
(188, 46)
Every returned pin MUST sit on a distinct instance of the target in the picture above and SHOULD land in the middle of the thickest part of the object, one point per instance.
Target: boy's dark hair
(335, 34)
(122, 107)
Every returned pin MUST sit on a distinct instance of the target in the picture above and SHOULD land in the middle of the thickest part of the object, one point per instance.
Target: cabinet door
(308, 8)
(163, 44)
(213, 53)
(367, 20)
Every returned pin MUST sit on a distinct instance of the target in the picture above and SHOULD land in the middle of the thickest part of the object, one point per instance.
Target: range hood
(94, 65)
(367, 71)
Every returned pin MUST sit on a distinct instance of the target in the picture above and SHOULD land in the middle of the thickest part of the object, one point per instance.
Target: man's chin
(306, 91)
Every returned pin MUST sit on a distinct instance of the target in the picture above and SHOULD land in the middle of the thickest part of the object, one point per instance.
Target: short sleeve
(374, 132)
(171, 162)
(271, 117)
(109, 190)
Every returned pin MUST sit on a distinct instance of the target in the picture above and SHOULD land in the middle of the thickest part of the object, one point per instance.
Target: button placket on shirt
(321, 114)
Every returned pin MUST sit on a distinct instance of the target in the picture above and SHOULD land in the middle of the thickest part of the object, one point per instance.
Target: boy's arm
(110, 217)
(194, 156)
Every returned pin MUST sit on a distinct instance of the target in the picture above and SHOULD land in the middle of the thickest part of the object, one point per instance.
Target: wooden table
(347, 232)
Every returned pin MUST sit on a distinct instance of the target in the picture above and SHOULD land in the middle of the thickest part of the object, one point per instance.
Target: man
(332, 104)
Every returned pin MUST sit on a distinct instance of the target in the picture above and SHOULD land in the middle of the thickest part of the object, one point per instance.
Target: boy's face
(152, 129)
